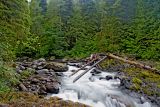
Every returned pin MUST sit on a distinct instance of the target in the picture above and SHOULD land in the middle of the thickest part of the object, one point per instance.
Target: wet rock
(157, 101)
(57, 67)
(102, 78)
(34, 66)
(22, 67)
(95, 71)
(142, 99)
(117, 77)
(31, 69)
(22, 87)
(34, 81)
(43, 71)
(51, 70)
(52, 88)
(42, 92)
(18, 70)
(59, 74)
(26, 64)
(108, 77)
(125, 83)
(40, 67)
(41, 60)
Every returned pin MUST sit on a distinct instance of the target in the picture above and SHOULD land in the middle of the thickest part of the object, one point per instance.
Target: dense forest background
(77, 28)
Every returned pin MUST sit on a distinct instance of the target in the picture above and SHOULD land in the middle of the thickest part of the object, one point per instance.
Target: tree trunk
(137, 64)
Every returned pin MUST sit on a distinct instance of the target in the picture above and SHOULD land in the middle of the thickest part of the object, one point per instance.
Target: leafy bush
(8, 78)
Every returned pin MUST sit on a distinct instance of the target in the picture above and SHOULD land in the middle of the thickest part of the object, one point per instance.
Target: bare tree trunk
(137, 64)
(82, 67)
(79, 76)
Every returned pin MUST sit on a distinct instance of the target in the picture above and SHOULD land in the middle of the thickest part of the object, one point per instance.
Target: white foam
(96, 93)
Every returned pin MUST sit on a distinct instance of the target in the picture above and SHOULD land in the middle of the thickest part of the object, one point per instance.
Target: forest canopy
(77, 28)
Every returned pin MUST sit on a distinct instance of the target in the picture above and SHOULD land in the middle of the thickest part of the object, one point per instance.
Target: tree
(14, 23)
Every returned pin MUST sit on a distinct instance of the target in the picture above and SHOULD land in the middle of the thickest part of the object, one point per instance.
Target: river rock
(34, 80)
(102, 78)
(43, 71)
(57, 67)
(41, 60)
(108, 77)
(125, 83)
(95, 72)
(142, 99)
(22, 67)
(22, 87)
(52, 88)
(31, 69)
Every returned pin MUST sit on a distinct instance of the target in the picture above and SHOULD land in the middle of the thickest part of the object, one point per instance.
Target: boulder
(56, 66)
(43, 71)
(52, 88)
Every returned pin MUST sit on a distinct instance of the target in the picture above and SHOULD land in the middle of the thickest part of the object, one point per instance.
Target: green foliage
(79, 28)
(136, 80)
(25, 74)
(8, 78)
(29, 47)
(14, 25)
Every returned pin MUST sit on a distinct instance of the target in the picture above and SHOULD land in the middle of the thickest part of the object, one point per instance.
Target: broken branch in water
(82, 67)
(79, 76)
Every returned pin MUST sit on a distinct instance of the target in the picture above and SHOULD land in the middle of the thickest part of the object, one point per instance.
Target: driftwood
(79, 76)
(137, 64)
(82, 67)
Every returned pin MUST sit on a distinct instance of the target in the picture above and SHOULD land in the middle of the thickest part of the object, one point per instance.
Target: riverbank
(136, 82)
(40, 77)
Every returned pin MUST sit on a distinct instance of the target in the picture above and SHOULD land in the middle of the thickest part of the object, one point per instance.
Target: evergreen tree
(14, 24)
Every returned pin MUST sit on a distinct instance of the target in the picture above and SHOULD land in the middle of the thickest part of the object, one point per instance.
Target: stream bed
(94, 90)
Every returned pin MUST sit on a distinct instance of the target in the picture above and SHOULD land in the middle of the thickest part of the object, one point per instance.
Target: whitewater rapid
(90, 90)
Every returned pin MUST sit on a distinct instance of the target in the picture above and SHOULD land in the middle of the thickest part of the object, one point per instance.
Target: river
(96, 92)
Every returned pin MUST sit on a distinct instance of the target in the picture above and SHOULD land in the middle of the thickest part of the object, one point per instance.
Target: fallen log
(82, 67)
(137, 64)
(79, 76)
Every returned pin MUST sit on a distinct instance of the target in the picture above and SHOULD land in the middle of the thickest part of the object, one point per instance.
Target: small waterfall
(95, 92)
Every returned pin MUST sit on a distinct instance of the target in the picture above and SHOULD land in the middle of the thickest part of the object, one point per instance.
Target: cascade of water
(92, 91)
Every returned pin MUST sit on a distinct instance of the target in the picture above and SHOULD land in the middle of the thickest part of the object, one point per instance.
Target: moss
(29, 100)
(135, 87)
(25, 74)
(108, 62)
(148, 92)
(140, 77)
(145, 74)
(136, 80)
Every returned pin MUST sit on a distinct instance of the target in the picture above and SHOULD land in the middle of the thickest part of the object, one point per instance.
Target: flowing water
(92, 91)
